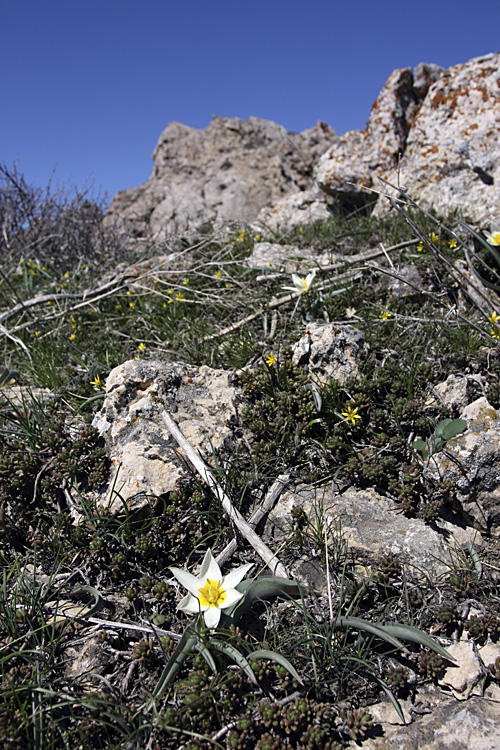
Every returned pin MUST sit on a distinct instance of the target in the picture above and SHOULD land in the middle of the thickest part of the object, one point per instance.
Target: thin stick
(257, 516)
(243, 526)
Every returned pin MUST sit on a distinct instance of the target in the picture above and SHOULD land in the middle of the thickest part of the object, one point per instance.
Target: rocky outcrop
(433, 132)
(145, 459)
(357, 158)
(229, 171)
(471, 463)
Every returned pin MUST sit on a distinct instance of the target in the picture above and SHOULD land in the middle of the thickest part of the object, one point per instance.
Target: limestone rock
(451, 726)
(357, 158)
(453, 392)
(228, 171)
(373, 523)
(287, 258)
(452, 156)
(471, 462)
(467, 676)
(202, 402)
(294, 210)
(331, 352)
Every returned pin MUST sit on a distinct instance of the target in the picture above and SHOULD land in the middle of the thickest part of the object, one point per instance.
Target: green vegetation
(89, 626)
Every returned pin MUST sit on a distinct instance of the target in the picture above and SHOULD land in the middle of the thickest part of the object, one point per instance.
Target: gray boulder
(226, 172)
(146, 459)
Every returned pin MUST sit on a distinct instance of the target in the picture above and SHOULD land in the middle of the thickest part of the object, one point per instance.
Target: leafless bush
(55, 228)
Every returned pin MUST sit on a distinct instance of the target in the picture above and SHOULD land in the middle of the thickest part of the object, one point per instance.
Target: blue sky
(87, 87)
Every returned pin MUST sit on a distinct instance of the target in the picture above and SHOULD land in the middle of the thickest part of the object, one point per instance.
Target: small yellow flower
(180, 297)
(118, 306)
(434, 237)
(270, 359)
(229, 286)
(36, 334)
(420, 247)
(129, 292)
(217, 275)
(257, 236)
(170, 291)
(494, 318)
(72, 337)
(185, 282)
(351, 415)
(495, 332)
(131, 304)
(385, 315)
(142, 347)
(452, 244)
(98, 384)
(300, 229)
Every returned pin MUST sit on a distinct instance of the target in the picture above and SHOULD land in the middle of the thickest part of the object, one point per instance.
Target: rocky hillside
(432, 131)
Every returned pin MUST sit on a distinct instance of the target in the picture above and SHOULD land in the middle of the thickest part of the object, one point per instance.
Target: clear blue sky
(87, 87)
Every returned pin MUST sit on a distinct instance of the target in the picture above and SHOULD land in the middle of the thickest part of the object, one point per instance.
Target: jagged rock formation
(439, 129)
(431, 130)
(358, 157)
(229, 171)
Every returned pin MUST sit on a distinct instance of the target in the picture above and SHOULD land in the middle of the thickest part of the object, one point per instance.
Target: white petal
(297, 280)
(212, 617)
(209, 569)
(189, 581)
(235, 576)
(310, 277)
(205, 563)
(232, 596)
(190, 604)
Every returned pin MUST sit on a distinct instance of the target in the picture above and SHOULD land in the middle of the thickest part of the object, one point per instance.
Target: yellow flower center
(211, 595)
(496, 238)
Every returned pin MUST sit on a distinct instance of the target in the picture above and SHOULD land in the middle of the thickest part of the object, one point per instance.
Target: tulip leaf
(186, 645)
(263, 588)
(273, 656)
(236, 656)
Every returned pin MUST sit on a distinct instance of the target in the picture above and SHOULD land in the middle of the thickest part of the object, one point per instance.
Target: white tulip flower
(493, 236)
(210, 592)
(301, 284)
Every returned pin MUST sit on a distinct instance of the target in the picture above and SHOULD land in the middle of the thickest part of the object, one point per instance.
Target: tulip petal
(212, 617)
(232, 596)
(190, 604)
(189, 581)
(235, 576)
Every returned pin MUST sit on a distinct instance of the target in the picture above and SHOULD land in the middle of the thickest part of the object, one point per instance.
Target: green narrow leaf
(475, 559)
(378, 630)
(237, 657)
(263, 588)
(186, 645)
(415, 635)
(273, 656)
(98, 600)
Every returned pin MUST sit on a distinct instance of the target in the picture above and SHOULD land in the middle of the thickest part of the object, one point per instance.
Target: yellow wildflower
(452, 244)
(270, 359)
(420, 247)
(217, 275)
(351, 415)
(494, 318)
(433, 237)
(142, 347)
(495, 332)
(385, 315)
